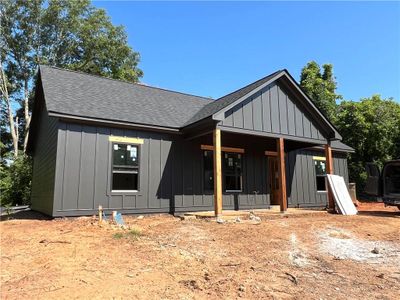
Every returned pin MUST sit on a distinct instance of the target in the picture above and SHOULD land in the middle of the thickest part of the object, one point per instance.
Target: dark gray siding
(273, 110)
(171, 174)
(301, 180)
(44, 162)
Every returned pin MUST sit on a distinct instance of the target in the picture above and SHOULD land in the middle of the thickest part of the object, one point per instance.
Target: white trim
(233, 191)
(124, 191)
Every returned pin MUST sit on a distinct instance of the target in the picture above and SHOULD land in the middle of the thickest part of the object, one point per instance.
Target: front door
(273, 179)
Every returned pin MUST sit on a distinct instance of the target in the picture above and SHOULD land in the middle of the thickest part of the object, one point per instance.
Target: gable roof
(224, 101)
(79, 94)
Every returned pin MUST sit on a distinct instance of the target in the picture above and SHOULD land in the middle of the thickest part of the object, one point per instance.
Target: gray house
(139, 149)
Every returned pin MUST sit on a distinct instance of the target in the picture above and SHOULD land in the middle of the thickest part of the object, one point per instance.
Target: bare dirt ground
(320, 256)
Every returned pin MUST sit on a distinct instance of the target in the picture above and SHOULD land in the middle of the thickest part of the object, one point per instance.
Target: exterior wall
(171, 173)
(273, 110)
(44, 163)
(301, 178)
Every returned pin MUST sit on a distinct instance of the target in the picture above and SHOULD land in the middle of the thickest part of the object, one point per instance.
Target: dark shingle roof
(338, 145)
(224, 101)
(84, 95)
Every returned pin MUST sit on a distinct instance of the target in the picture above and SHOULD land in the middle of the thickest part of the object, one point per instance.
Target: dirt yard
(315, 256)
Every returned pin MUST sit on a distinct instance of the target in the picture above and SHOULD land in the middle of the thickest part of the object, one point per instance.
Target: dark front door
(273, 179)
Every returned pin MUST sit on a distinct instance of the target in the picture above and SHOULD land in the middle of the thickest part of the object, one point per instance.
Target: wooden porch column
(280, 148)
(329, 170)
(217, 173)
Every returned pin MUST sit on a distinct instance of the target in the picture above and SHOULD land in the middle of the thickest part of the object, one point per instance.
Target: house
(140, 149)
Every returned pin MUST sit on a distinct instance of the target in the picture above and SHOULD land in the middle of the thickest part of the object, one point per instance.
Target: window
(320, 172)
(231, 170)
(208, 162)
(125, 168)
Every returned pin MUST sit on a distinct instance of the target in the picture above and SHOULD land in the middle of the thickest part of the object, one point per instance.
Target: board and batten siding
(44, 163)
(301, 177)
(170, 176)
(273, 110)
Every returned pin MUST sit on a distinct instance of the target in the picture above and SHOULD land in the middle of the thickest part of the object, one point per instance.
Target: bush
(15, 181)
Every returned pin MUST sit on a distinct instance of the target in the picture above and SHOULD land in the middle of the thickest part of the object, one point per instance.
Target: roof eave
(74, 118)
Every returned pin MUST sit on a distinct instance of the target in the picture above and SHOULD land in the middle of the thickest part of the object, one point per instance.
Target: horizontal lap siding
(273, 110)
(44, 164)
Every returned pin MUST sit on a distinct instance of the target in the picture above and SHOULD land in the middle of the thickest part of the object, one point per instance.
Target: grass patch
(118, 235)
(132, 234)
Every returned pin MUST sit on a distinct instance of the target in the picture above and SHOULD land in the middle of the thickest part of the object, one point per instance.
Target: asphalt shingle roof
(220, 103)
(84, 95)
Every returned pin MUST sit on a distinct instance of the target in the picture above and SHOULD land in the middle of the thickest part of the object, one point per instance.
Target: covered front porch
(244, 171)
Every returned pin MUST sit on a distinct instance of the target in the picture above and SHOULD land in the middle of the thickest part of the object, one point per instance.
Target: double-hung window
(125, 167)
(320, 173)
(231, 171)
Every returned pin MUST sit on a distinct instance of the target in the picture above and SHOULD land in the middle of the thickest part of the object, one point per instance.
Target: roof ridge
(123, 81)
(251, 83)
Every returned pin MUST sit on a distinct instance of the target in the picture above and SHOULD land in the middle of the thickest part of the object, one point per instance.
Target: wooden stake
(100, 214)
(217, 173)
(280, 147)
(329, 170)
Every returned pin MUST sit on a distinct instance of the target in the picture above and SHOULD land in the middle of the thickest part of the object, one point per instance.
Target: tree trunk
(5, 96)
(26, 115)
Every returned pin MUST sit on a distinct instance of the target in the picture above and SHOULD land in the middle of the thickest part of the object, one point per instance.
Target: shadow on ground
(377, 213)
(24, 215)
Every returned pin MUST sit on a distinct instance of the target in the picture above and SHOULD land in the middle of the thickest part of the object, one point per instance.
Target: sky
(213, 48)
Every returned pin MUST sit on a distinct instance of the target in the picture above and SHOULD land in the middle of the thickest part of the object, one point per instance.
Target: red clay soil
(319, 256)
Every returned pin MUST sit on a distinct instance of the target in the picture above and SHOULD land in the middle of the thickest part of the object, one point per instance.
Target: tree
(66, 33)
(372, 127)
(320, 87)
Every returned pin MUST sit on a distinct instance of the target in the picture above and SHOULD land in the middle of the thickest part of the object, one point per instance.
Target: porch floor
(272, 213)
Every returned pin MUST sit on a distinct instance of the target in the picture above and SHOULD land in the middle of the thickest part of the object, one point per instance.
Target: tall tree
(66, 33)
(321, 87)
(372, 127)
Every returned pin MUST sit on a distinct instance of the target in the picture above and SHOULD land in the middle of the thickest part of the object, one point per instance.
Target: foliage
(372, 127)
(320, 87)
(133, 234)
(15, 183)
(63, 33)
(70, 34)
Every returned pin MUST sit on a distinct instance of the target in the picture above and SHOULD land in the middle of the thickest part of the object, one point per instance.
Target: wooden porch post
(217, 173)
(329, 170)
(280, 147)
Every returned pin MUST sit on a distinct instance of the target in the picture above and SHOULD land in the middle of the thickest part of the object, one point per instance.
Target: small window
(125, 168)
(233, 171)
(320, 172)
(208, 162)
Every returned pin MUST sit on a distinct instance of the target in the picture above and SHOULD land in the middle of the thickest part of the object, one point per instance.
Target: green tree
(66, 33)
(372, 127)
(320, 87)
(70, 34)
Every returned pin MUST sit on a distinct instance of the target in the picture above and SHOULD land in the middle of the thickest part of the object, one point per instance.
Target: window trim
(137, 145)
(320, 159)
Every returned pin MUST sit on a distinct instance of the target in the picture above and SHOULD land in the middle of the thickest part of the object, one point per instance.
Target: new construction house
(139, 149)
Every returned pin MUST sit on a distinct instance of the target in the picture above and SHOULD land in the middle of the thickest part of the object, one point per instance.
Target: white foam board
(341, 195)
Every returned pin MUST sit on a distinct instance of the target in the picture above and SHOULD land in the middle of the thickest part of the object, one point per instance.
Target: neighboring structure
(139, 149)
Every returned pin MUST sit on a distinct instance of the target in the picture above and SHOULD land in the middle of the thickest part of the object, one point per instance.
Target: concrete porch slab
(261, 213)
